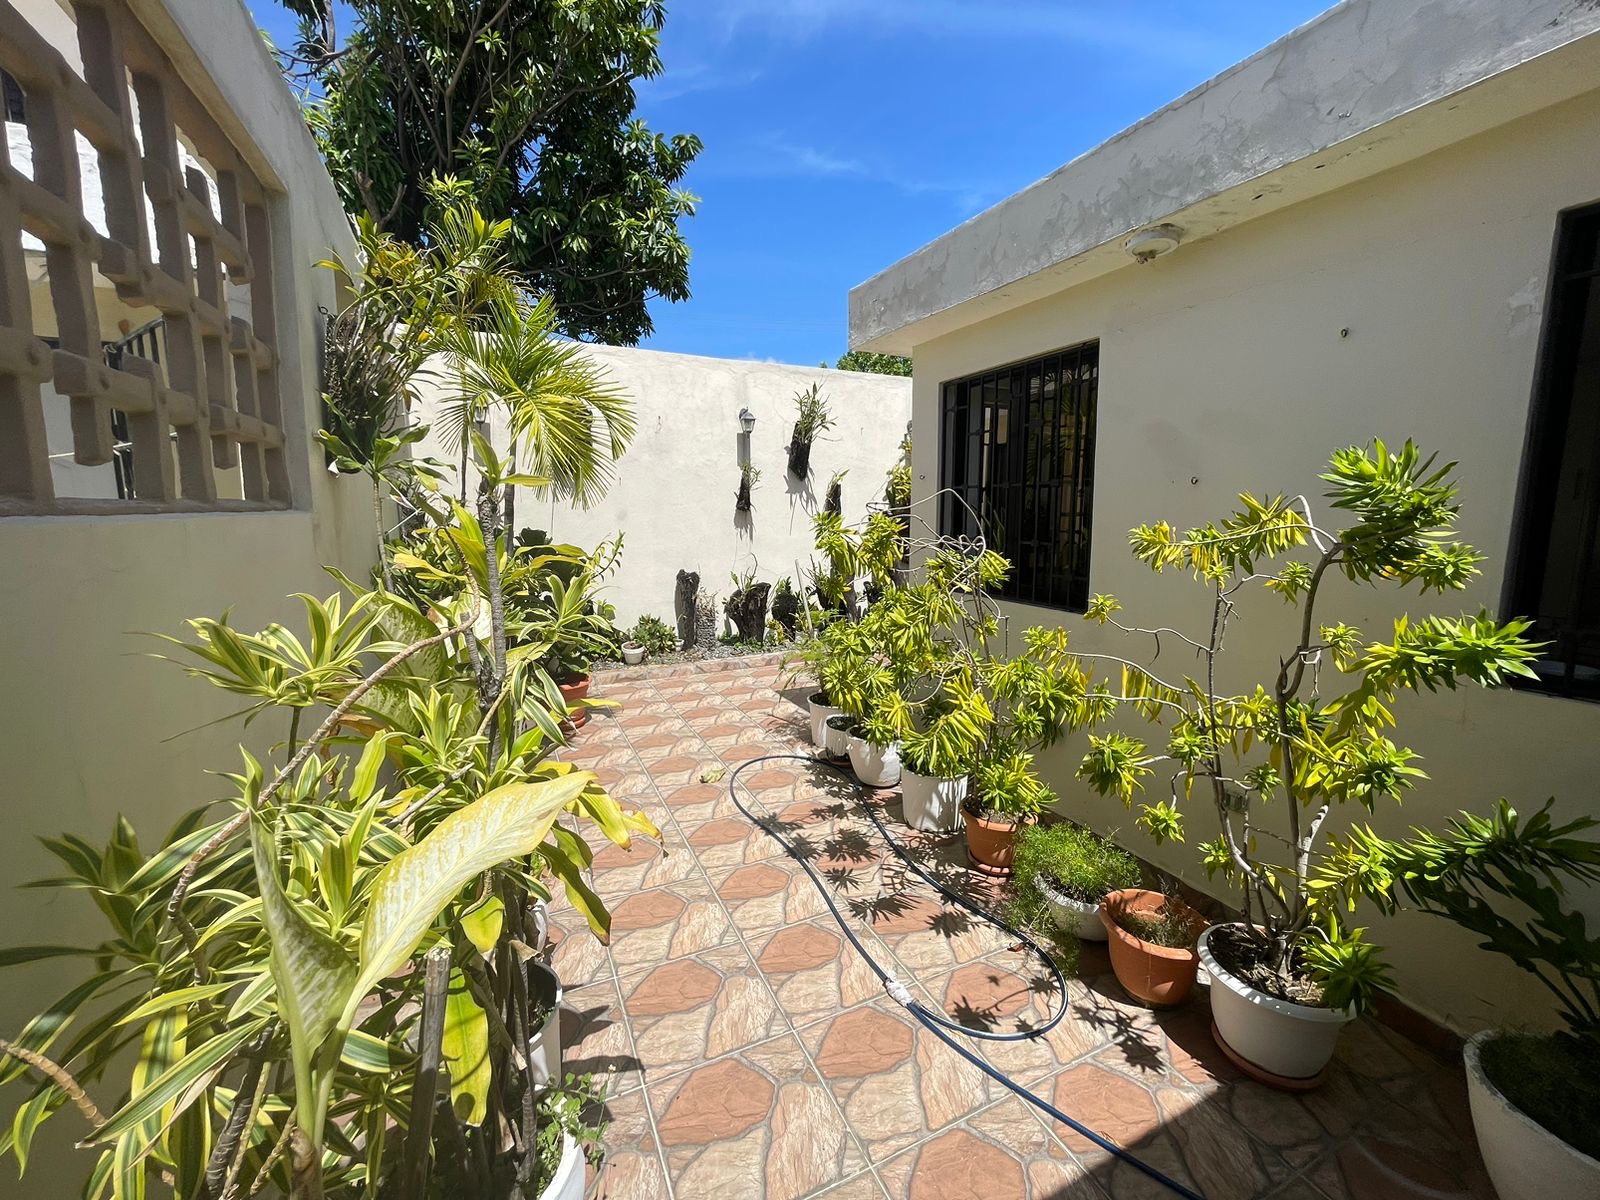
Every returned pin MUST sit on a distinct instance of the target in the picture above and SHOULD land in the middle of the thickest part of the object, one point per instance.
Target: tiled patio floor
(753, 1055)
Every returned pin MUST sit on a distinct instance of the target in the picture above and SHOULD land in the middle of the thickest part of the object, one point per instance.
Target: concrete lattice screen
(213, 408)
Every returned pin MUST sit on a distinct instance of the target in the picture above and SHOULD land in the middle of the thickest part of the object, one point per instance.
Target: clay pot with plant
(1272, 763)
(1151, 937)
(1534, 1095)
(811, 418)
(1063, 871)
(1007, 795)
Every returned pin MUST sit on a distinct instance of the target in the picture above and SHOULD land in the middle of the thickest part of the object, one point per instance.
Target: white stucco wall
(1223, 364)
(674, 495)
(90, 726)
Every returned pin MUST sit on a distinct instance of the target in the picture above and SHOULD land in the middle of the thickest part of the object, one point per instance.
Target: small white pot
(544, 1043)
(1292, 1041)
(1525, 1160)
(932, 805)
(836, 735)
(820, 712)
(568, 1182)
(1070, 915)
(633, 655)
(875, 766)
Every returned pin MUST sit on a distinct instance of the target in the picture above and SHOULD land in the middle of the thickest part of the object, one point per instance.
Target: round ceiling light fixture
(1153, 242)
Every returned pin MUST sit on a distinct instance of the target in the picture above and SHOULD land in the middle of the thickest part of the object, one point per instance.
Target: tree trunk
(786, 612)
(748, 609)
(684, 607)
(835, 501)
(799, 458)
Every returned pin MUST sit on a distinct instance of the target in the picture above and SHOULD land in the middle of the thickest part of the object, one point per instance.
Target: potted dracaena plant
(1290, 972)
(1534, 1095)
(362, 907)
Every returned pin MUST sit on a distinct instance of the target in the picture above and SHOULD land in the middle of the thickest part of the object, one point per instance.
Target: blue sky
(842, 134)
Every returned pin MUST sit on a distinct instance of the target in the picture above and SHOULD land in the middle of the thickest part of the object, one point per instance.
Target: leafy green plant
(811, 418)
(1282, 747)
(1071, 860)
(655, 635)
(749, 476)
(281, 986)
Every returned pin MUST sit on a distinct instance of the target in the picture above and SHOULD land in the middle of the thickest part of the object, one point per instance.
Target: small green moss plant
(1072, 860)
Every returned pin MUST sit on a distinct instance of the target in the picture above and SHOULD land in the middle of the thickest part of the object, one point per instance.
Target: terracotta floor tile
(595, 1038)
(815, 971)
(758, 1123)
(633, 1168)
(666, 923)
(618, 872)
(896, 1082)
(695, 1009)
(764, 895)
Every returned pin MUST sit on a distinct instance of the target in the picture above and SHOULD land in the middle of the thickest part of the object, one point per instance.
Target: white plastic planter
(1525, 1160)
(1291, 1041)
(820, 712)
(1070, 915)
(544, 1043)
(836, 735)
(569, 1179)
(633, 655)
(932, 805)
(875, 766)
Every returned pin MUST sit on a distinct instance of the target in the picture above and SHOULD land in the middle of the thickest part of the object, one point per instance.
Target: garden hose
(936, 1022)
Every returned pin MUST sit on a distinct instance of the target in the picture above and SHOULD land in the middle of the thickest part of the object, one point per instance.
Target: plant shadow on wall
(321, 990)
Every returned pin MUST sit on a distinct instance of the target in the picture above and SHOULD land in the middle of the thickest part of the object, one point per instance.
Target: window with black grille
(1556, 556)
(1016, 455)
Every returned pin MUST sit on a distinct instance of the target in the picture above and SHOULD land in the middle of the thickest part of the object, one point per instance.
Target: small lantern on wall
(747, 421)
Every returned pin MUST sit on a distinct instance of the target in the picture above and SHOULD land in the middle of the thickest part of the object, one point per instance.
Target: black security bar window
(1016, 452)
(1556, 555)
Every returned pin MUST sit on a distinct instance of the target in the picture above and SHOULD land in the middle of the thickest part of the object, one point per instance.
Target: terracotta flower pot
(572, 691)
(1162, 976)
(992, 842)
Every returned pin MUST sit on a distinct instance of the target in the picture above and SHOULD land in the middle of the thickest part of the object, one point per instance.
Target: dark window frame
(1039, 482)
(1571, 665)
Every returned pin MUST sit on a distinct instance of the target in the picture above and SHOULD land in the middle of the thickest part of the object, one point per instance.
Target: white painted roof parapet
(1364, 87)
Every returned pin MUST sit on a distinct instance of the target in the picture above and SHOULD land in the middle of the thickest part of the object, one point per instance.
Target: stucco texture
(1223, 368)
(674, 495)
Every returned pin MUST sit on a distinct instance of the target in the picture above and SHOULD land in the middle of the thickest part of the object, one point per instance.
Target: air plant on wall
(835, 500)
(811, 418)
(749, 476)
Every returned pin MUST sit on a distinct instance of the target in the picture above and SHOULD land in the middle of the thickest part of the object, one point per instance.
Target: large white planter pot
(1524, 1159)
(633, 655)
(836, 735)
(1291, 1041)
(932, 805)
(1070, 915)
(569, 1179)
(544, 1043)
(875, 766)
(819, 714)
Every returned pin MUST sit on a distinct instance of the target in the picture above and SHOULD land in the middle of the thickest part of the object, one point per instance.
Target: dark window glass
(1016, 461)
(1556, 555)
(16, 110)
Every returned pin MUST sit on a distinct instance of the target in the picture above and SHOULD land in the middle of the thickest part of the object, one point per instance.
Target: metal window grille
(1017, 458)
(1555, 574)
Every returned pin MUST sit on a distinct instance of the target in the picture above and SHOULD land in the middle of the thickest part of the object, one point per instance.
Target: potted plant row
(1270, 764)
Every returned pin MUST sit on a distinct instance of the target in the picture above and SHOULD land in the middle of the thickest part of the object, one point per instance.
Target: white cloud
(776, 157)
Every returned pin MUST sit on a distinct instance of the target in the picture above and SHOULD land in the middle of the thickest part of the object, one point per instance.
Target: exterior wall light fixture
(1153, 242)
(747, 421)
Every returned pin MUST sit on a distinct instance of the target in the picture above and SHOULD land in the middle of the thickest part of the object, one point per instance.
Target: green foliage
(1282, 752)
(1004, 783)
(528, 110)
(811, 415)
(655, 635)
(875, 364)
(1071, 859)
(1505, 879)
(260, 996)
